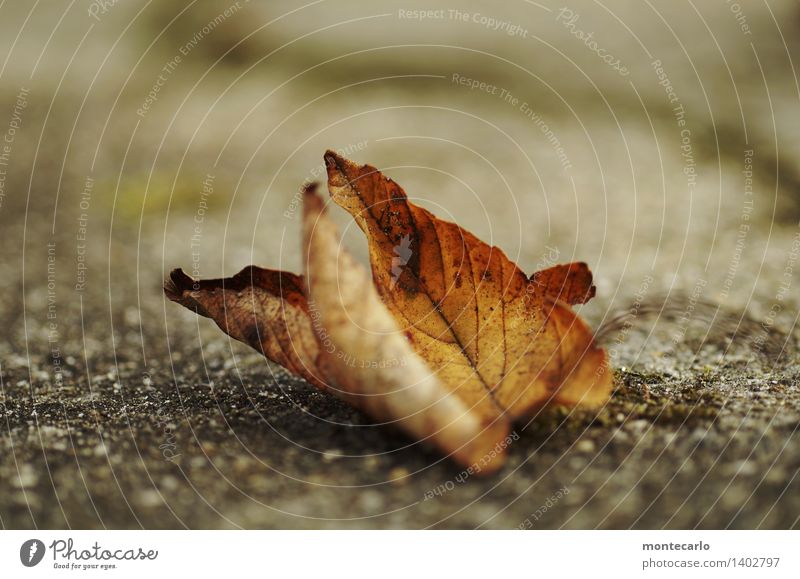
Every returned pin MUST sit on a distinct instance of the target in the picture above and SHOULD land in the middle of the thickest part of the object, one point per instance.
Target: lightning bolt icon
(34, 548)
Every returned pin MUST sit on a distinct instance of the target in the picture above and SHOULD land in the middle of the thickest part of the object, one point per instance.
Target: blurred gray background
(657, 141)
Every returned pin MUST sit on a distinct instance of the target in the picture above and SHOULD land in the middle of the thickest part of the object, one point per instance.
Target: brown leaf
(570, 283)
(264, 308)
(446, 314)
(342, 339)
(503, 343)
(372, 363)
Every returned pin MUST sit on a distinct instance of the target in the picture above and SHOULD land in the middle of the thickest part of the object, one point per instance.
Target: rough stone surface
(159, 421)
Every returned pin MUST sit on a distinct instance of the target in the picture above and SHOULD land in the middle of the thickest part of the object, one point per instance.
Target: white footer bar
(388, 554)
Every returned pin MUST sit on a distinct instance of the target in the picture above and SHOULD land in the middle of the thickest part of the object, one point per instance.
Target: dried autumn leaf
(504, 343)
(264, 308)
(372, 363)
(341, 338)
(454, 316)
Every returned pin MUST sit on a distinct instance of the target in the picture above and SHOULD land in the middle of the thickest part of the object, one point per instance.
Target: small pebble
(398, 476)
(148, 498)
(26, 478)
(169, 483)
(745, 467)
(638, 426)
(331, 455)
(371, 501)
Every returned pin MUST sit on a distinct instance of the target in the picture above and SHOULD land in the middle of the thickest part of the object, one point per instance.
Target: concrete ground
(677, 183)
